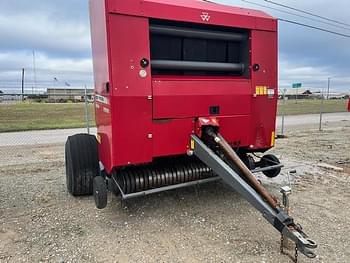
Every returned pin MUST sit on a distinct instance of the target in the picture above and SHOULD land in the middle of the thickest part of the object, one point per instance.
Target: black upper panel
(178, 41)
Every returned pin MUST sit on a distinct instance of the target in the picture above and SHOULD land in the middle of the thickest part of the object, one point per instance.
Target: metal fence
(47, 119)
(321, 104)
(29, 121)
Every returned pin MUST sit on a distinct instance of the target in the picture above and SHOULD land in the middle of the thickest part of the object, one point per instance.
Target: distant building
(69, 94)
(293, 93)
(330, 95)
(336, 95)
(307, 94)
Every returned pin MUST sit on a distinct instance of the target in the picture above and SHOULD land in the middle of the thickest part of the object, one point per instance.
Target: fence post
(329, 84)
(283, 111)
(321, 111)
(86, 111)
(22, 84)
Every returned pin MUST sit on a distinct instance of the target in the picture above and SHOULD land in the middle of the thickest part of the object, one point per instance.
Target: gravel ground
(41, 222)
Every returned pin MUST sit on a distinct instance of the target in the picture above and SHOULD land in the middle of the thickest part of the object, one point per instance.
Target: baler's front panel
(199, 71)
(166, 73)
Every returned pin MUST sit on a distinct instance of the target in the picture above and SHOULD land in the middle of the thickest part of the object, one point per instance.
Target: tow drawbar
(217, 154)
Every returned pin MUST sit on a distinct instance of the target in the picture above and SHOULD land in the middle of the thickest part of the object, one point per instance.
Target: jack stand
(286, 192)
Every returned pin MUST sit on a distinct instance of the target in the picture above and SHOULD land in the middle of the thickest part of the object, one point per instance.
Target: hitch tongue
(227, 164)
(284, 220)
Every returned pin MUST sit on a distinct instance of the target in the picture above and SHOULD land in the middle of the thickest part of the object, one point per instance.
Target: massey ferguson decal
(205, 16)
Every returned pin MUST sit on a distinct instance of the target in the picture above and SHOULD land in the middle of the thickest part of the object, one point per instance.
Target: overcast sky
(59, 32)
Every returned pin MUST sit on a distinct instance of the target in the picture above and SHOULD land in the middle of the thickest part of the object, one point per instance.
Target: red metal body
(141, 116)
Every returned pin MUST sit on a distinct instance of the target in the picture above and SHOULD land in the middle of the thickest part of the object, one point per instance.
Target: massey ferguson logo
(205, 16)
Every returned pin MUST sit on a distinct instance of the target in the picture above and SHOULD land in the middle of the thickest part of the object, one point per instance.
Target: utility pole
(55, 80)
(34, 73)
(22, 84)
(329, 84)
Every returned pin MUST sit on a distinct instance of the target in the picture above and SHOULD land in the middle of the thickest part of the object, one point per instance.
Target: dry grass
(291, 107)
(39, 116)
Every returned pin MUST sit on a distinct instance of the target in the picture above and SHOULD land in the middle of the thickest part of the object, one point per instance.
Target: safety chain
(296, 254)
(281, 246)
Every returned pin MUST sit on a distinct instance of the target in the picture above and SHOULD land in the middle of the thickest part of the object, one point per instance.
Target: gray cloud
(53, 29)
(307, 55)
(59, 33)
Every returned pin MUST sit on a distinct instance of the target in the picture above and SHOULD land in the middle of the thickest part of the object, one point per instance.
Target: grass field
(291, 107)
(37, 116)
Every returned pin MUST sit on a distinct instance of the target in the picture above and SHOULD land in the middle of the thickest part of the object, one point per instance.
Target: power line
(313, 27)
(294, 22)
(294, 14)
(307, 12)
(302, 24)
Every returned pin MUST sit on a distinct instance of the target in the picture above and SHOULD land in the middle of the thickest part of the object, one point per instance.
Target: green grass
(39, 116)
(291, 107)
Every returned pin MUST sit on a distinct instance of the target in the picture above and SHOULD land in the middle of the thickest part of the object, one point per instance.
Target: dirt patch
(41, 222)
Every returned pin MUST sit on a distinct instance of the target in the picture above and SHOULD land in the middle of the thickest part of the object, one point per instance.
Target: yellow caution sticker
(261, 90)
(257, 90)
(273, 138)
(192, 144)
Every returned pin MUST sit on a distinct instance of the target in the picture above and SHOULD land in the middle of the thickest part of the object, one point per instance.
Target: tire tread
(82, 164)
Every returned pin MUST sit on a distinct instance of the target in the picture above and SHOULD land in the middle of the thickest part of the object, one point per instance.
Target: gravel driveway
(41, 222)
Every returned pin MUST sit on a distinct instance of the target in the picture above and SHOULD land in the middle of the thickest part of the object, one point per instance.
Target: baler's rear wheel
(100, 192)
(82, 164)
(270, 160)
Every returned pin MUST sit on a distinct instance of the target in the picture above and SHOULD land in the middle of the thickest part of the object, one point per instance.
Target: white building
(68, 94)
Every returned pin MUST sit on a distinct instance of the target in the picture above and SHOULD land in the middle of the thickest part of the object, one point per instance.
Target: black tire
(248, 161)
(82, 164)
(100, 192)
(269, 160)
